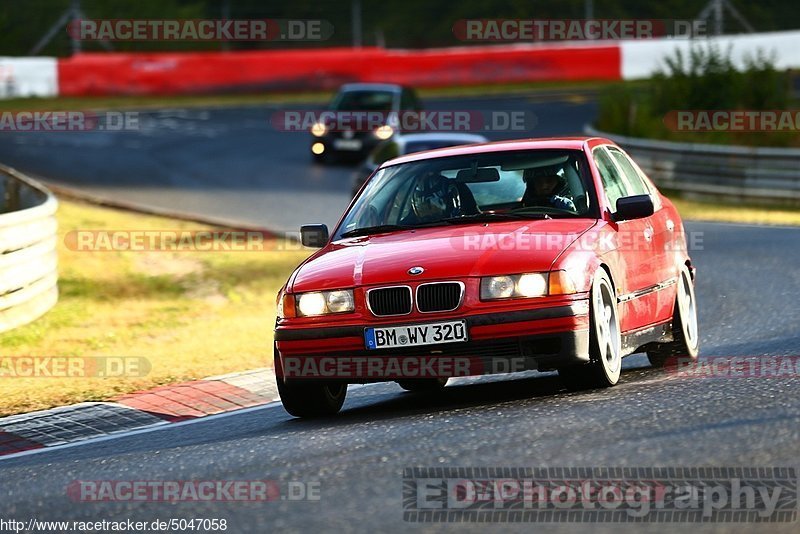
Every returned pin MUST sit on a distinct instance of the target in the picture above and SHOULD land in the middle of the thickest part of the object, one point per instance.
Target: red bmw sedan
(544, 254)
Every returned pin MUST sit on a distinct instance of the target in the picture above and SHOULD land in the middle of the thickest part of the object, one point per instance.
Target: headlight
(325, 302)
(532, 285)
(318, 129)
(514, 286)
(384, 132)
(339, 301)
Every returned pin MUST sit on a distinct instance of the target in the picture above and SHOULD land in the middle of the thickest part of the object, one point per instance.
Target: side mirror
(634, 207)
(314, 235)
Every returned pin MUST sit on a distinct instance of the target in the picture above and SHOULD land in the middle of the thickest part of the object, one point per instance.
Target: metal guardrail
(756, 174)
(28, 262)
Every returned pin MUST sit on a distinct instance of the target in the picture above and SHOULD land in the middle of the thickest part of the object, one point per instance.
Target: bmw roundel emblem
(416, 270)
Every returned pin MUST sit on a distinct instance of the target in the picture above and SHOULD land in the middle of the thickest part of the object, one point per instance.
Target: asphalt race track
(747, 285)
(232, 162)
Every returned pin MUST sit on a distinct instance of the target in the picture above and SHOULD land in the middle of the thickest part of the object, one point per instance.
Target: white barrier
(643, 58)
(34, 76)
(28, 262)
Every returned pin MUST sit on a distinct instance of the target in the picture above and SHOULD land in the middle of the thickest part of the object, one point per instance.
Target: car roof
(394, 88)
(564, 143)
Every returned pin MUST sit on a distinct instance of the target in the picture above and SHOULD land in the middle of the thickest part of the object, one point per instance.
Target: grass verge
(190, 314)
(701, 210)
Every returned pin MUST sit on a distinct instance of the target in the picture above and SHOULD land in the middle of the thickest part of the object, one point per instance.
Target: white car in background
(401, 145)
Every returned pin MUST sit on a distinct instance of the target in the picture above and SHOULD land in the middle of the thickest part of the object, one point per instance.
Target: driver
(433, 198)
(543, 191)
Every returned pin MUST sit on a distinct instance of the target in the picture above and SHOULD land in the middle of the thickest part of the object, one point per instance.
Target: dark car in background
(344, 136)
(400, 145)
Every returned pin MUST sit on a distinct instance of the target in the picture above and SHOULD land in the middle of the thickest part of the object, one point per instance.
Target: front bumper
(534, 339)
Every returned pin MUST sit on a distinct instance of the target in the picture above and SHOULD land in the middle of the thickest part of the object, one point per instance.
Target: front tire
(605, 341)
(309, 398)
(312, 399)
(686, 339)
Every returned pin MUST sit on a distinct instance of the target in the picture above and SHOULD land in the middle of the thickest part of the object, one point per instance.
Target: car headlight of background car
(318, 129)
(325, 302)
(526, 285)
(384, 132)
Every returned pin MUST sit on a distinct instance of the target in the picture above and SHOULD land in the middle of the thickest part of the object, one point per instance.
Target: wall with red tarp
(275, 70)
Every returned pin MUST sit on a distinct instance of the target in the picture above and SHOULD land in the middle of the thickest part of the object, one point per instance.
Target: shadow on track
(386, 403)
(385, 406)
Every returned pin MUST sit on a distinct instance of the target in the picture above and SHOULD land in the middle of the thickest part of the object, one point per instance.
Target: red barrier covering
(217, 72)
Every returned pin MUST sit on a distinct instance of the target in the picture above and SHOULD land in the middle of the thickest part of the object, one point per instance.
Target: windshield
(364, 101)
(477, 187)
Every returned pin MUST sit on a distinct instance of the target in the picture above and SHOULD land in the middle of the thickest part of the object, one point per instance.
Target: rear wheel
(424, 384)
(686, 341)
(605, 345)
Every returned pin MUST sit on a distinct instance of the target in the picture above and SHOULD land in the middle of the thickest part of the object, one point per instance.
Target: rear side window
(613, 182)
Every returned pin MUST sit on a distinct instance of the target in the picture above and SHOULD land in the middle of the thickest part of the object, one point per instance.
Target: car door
(663, 233)
(635, 248)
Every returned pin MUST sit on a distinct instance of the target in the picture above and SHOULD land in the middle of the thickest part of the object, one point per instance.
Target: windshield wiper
(379, 229)
(505, 216)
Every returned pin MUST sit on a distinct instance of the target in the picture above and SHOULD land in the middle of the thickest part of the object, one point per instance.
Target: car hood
(443, 252)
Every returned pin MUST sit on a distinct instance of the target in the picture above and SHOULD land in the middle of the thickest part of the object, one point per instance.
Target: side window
(613, 182)
(635, 183)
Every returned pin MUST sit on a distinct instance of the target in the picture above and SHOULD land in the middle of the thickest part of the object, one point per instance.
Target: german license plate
(416, 335)
(347, 144)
